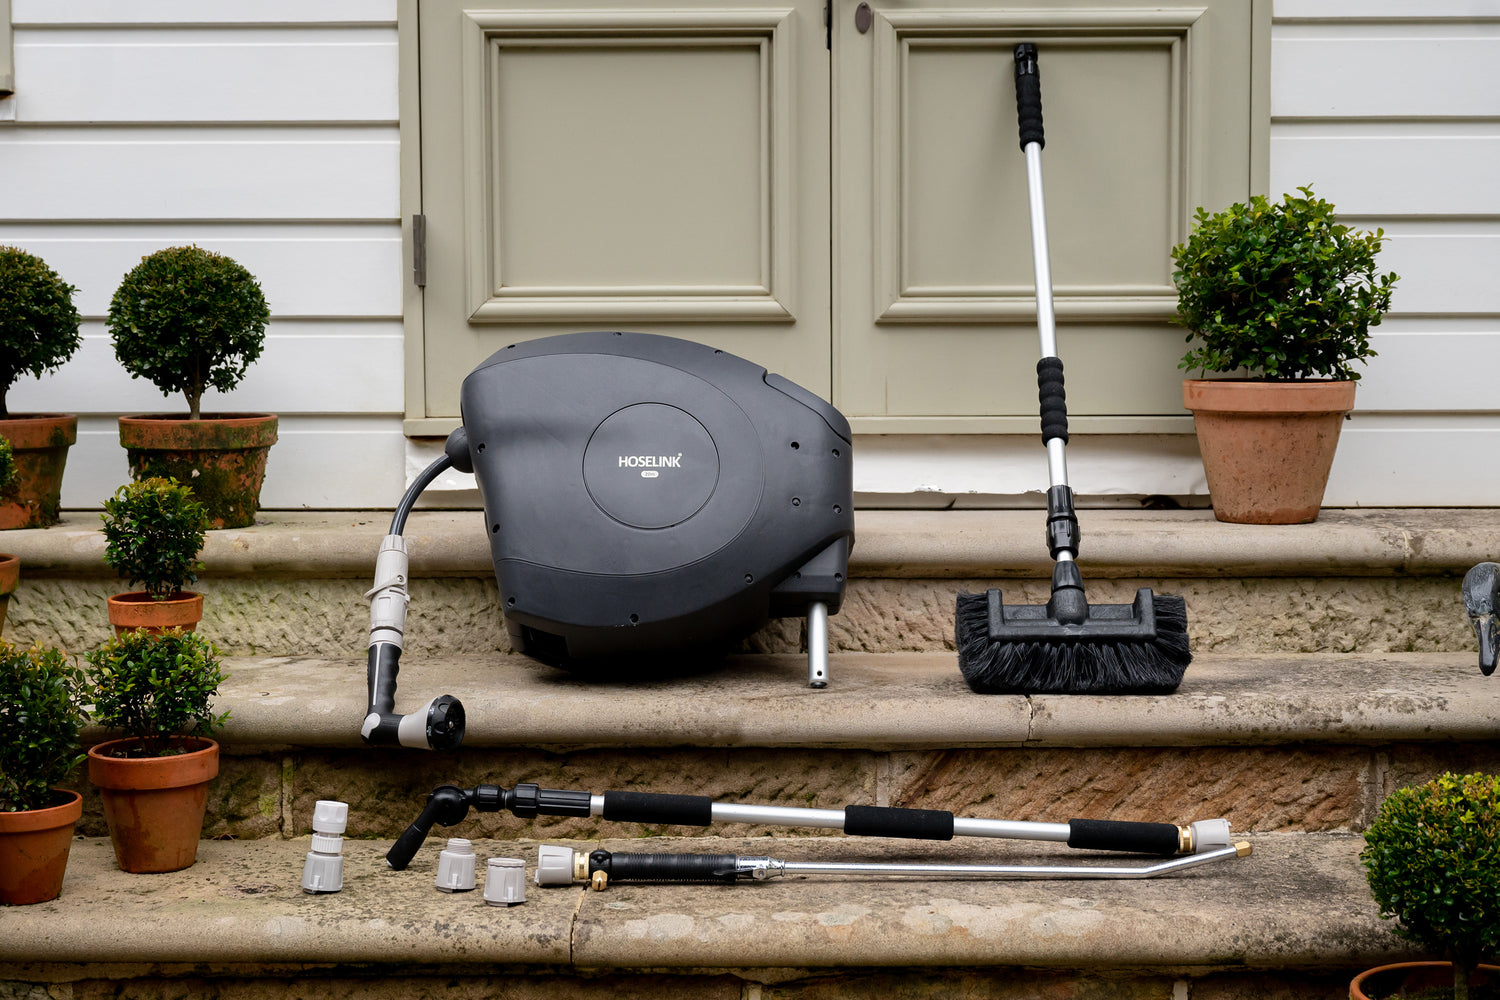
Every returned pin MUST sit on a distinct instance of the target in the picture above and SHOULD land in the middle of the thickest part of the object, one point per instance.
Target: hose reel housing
(646, 495)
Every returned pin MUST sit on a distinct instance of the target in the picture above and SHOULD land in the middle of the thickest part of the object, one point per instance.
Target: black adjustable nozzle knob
(445, 723)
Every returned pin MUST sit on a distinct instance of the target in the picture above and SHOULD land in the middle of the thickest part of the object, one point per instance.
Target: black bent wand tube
(449, 804)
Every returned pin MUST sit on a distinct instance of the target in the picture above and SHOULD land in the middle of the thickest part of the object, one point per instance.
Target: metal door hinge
(828, 24)
(419, 250)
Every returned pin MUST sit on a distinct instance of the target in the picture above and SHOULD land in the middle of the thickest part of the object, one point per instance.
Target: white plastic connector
(505, 881)
(1210, 835)
(330, 817)
(554, 865)
(389, 597)
(455, 871)
(324, 870)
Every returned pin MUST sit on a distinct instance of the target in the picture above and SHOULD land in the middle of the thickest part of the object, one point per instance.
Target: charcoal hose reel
(648, 500)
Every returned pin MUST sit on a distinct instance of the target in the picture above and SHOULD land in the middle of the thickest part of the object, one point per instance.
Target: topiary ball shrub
(7, 468)
(157, 688)
(38, 322)
(188, 320)
(153, 532)
(1282, 291)
(41, 711)
(1432, 858)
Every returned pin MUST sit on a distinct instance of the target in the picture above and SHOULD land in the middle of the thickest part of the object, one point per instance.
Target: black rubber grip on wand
(653, 807)
(1054, 400)
(1114, 835)
(664, 867)
(384, 664)
(912, 824)
(1029, 96)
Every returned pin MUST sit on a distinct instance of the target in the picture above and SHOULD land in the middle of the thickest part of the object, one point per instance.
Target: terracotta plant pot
(40, 443)
(1404, 977)
(34, 849)
(154, 805)
(1267, 446)
(137, 609)
(10, 577)
(222, 457)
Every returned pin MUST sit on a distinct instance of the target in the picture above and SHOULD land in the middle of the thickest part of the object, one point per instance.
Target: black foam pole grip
(1029, 96)
(1053, 398)
(1114, 835)
(912, 824)
(653, 807)
(664, 867)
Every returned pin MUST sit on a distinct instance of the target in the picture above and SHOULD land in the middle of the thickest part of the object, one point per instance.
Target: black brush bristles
(1075, 666)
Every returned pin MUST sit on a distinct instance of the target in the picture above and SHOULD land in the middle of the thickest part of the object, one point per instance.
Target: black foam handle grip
(664, 867)
(1115, 835)
(653, 807)
(1029, 96)
(1051, 394)
(383, 666)
(912, 824)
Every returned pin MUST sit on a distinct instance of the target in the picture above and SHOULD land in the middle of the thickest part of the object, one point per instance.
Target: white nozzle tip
(330, 816)
(554, 865)
(1210, 835)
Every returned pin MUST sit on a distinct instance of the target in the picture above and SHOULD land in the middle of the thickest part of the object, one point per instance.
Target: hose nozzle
(437, 725)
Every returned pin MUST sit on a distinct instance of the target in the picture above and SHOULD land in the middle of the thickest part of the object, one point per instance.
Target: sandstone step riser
(459, 616)
(802, 984)
(1294, 788)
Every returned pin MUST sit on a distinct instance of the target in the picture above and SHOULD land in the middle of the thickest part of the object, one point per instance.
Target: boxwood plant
(153, 532)
(157, 689)
(41, 712)
(7, 467)
(1432, 858)
(38, 323)
(1281, 291)
(188, 320)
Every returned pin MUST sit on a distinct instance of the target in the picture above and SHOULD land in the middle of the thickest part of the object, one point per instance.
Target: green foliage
(157, 687)
(1432, 858)
(38, 323)
(41, 711)
(188, 320)
(7, 466)
(1280, 290)
(154, 530)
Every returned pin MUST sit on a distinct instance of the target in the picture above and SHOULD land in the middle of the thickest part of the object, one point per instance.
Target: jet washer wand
(449, 804)
(558, 865)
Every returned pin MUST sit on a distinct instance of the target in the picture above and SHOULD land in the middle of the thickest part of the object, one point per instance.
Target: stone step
(1292, 919)
(1269, 742)
(1356, 580)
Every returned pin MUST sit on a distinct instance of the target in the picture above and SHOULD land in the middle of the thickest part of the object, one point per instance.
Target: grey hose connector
(324, 869)
(455, 872)
(505, 882)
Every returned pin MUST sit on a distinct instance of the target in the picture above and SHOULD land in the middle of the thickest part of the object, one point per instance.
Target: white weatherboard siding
(1392, 111)
(267, 130)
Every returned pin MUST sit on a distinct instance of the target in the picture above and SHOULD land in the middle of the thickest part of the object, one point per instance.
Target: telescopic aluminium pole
(449, 804)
